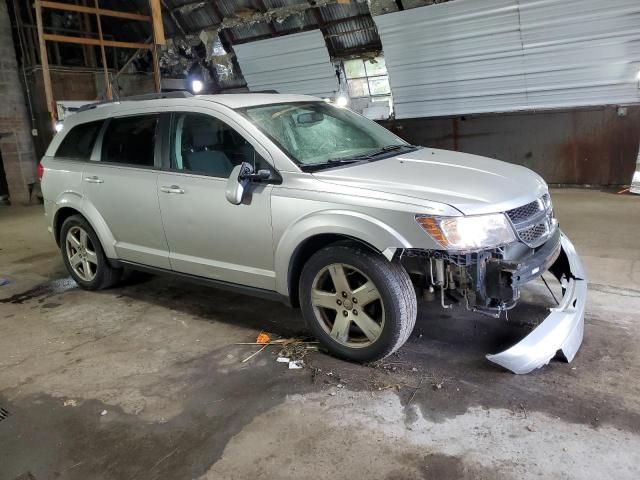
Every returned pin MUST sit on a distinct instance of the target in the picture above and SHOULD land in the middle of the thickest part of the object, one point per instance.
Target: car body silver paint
(374, 202)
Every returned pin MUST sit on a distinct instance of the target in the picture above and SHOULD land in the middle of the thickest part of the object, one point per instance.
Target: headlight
(468, 233)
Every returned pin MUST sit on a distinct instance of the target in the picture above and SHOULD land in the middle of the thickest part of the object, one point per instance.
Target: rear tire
(359, 305)
(84, 257)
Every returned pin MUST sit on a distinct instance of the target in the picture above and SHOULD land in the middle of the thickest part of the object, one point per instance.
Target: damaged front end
(490, 282)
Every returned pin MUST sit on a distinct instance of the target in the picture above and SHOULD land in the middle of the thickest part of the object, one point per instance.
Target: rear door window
(130, 140)
(78, 143)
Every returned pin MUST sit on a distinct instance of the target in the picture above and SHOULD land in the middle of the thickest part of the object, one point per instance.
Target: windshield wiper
(389, 148)
(378, 152)
(332, 162)
(360, 157)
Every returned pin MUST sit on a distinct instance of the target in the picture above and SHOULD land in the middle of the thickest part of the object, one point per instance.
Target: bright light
(59, 126)
(197, 86)
(342, 101)
(468, 233)
(638, 76)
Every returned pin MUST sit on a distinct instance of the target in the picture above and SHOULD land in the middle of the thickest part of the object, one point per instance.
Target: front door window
(206, 145)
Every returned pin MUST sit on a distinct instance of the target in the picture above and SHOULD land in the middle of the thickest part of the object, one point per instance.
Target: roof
(233, 101)
(242, 100)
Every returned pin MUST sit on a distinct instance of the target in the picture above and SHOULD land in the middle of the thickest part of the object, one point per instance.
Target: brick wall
(16, 144)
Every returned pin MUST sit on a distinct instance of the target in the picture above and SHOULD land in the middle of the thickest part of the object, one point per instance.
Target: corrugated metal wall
(296, 63)
(467, 56)
(591, 145)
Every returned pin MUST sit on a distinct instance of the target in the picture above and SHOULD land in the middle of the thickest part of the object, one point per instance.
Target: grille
(534, 222)
(522, 214)
(530, 235)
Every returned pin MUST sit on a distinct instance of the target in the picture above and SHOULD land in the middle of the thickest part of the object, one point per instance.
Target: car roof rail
(136, 98)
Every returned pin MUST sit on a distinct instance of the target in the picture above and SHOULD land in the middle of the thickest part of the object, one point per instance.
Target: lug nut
(339, 302)
(344, 294)
(345, 313)
(355, 312)
(354, 300)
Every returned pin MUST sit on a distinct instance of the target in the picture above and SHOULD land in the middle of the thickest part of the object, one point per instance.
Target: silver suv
(290, 197)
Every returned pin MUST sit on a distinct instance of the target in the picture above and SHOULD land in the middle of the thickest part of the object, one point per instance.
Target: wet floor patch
(356, 435)
(59, 438)
(42, 291)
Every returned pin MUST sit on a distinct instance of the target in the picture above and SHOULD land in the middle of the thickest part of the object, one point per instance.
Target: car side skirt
(219, 284)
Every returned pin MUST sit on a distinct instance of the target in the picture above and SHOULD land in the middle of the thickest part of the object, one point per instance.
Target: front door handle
(93, 179)
(171, 189)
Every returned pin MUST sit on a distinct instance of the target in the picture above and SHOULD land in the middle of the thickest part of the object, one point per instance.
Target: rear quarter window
(78, 143)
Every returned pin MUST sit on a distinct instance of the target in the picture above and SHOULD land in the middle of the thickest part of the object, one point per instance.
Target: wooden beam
(105, 67)
(94, 10)
(44, 60)
(158, 39)
(156, 69)
(94, 41)
(158, 27)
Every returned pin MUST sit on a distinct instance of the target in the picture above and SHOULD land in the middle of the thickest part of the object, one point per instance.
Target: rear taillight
(40, 171)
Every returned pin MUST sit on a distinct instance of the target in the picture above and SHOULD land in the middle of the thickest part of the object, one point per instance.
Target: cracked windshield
(317, 134)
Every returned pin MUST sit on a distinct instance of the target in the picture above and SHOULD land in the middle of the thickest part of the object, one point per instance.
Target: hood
(469, 183)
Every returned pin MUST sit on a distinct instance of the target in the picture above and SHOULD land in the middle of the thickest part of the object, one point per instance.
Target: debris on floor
(255, 353)
(292, 351)
(263, 338)
(4, 281)
(70, 402)
(103, 413)
(296, 364)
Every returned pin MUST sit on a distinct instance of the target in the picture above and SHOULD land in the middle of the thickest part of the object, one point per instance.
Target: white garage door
(297, 63)
(468, 56)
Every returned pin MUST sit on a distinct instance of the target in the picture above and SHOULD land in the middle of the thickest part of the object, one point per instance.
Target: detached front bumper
(563, 329)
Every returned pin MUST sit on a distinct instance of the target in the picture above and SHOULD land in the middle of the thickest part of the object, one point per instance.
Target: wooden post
(105, 67)
(156, 17)
(156, 68)
(44, 61)
(158, 39)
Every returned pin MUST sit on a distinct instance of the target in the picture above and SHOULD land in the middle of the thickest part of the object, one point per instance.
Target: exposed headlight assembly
(468, 233)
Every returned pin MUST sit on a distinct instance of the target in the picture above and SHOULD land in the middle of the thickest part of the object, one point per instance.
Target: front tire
(83, 255)
(359, 305)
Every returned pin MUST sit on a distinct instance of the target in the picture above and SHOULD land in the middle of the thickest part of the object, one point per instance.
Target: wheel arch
(306, 249)
(68, 207)
(311, 233)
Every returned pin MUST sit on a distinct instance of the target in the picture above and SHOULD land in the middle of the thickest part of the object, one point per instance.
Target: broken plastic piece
(263, 338)
(296, 364)
(563, 328)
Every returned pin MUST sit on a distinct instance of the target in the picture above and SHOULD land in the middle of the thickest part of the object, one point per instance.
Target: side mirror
(240, 177)
(259, 175)
(236, 184)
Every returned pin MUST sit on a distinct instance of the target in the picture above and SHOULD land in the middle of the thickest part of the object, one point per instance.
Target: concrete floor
(160, 356)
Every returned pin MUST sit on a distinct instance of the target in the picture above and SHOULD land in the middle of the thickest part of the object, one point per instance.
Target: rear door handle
(171, 189)
(93, 179)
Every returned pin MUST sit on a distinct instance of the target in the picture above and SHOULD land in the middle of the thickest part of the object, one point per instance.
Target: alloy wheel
(81, 254)
(348, 305)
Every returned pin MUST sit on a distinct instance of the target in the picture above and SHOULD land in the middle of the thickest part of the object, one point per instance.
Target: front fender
(91, 214)
(352, 224)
